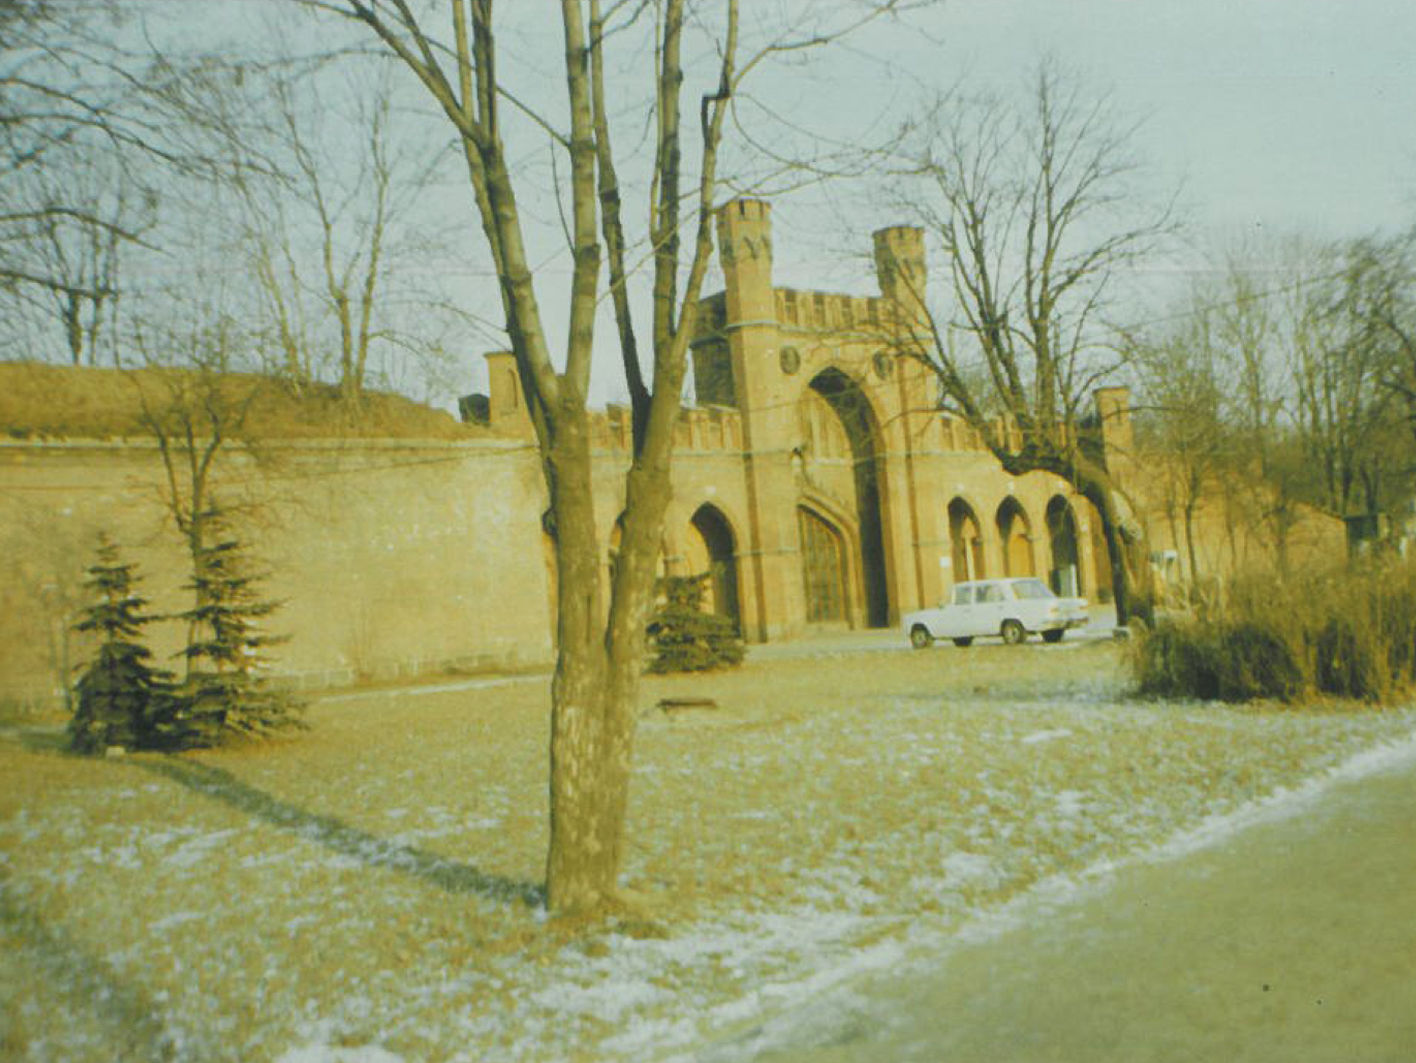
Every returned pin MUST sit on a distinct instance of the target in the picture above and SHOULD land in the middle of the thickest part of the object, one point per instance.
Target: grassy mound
(68, 402)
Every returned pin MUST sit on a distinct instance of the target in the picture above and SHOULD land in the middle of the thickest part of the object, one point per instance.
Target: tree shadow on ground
(76, 981)
(335, 834)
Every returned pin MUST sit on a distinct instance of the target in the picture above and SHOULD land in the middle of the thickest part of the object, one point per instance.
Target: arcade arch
(1015, 538)
(1065, 570)
(966, 537)
(711, 547)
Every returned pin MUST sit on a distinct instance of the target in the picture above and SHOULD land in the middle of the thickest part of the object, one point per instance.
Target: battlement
(830, 311)
(904, 243)
(1113, 410)
(707, 428)
(803, 309)
(702, 429)
(748, 210)
(745, 236)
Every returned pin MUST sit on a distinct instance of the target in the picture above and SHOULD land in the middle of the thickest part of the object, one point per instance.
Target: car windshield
(1031, 588)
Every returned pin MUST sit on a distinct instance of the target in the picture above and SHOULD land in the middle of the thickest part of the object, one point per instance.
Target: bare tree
(1392, 309)
(600, 649)
(69, 202)
(1182, 422)
(1342, 361)
(324, 187)
(193, 413)
(328, 233)
(1373, 345)
(1033, 213)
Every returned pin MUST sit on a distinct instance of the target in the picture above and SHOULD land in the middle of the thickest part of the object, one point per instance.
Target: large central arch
(851, 407)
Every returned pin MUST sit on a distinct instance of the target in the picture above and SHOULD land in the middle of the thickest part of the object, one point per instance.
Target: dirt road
(1292, 941)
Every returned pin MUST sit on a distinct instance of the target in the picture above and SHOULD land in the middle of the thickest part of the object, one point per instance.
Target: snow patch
(964, 867)
(199, 848)
(176, 919)
(318, 1053)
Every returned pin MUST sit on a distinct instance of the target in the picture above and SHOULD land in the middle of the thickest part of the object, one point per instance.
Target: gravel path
(1292, 940)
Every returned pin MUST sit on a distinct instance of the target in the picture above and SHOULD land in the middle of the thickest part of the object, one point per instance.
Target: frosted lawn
(369, 892)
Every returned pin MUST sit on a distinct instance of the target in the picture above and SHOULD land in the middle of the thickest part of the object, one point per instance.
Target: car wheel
(964, 643)
(1054, 636)
(920, 638)
(1012, 632)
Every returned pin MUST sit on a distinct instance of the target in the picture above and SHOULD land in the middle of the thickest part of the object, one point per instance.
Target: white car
(1009, 608)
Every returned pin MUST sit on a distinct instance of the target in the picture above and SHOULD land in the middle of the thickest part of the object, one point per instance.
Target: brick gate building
(815, 478)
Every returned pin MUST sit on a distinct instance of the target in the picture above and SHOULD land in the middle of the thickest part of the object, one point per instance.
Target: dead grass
(65, 402)
(374, 882)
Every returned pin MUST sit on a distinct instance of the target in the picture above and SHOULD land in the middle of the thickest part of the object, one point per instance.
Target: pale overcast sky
(1281, 113)
(1270, 116)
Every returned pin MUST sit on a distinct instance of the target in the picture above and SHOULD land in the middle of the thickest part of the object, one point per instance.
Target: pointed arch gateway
(862, 484)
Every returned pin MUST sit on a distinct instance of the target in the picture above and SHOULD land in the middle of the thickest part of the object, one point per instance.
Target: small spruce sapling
(121, 700)
(686, 638)
(224, 693)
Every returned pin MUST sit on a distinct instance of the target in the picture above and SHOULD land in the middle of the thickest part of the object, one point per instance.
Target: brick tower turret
(900, 268)
(745, 248)
(762, 390)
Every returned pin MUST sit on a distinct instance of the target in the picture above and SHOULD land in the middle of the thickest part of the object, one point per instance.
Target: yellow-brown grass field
(369, 890)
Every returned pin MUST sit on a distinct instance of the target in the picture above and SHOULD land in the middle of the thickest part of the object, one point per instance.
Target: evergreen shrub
(224, 694)
(120, 698)
(685, 637)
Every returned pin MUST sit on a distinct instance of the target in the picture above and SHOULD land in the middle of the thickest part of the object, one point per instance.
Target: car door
(987, 615)
(956, 618)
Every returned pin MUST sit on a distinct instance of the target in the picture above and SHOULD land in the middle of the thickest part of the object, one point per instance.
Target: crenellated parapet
(862, 316)
(709, 429)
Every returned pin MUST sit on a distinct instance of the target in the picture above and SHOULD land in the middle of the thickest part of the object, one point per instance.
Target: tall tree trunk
(594, 695)
(1100, 496)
